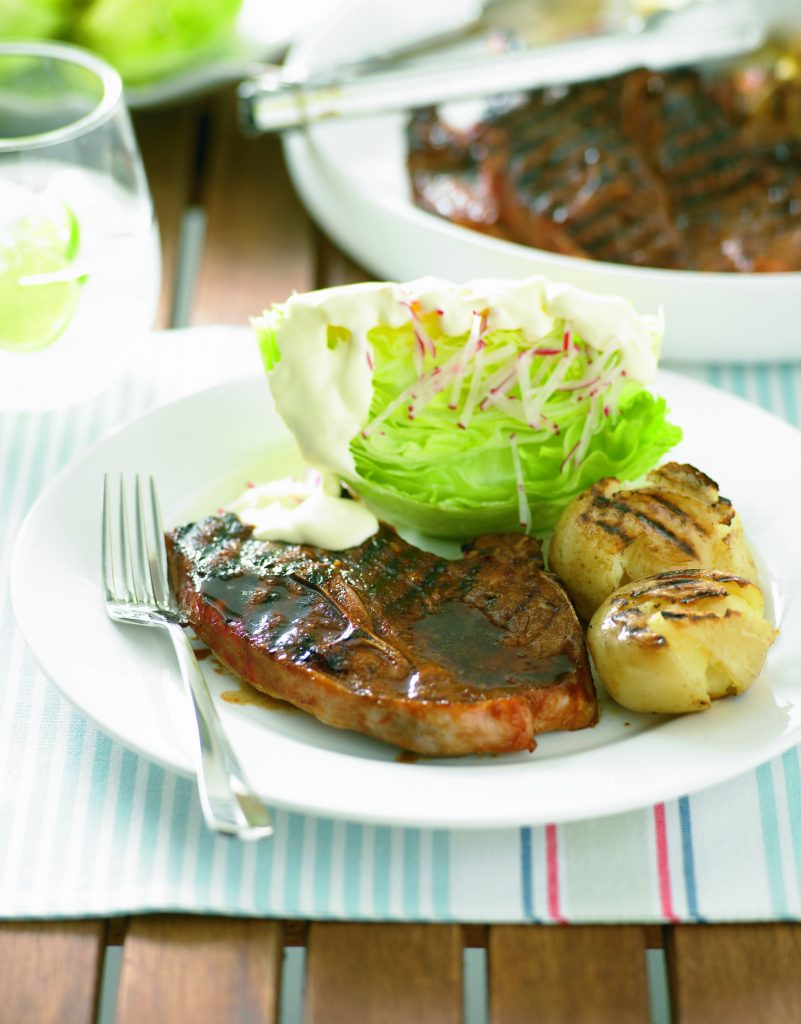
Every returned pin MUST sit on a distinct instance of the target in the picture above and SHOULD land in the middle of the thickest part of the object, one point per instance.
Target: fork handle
(229, 803)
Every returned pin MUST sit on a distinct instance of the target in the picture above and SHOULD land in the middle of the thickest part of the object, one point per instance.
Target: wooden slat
(735, 974)
(567, 974)
(258, 237)
(383, 974)
(168, 142)
(50, 972)
(178, 969)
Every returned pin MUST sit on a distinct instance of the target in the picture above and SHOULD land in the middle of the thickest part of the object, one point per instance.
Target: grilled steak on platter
(475, 655)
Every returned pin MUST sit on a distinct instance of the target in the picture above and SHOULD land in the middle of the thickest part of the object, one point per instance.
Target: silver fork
(137, 591)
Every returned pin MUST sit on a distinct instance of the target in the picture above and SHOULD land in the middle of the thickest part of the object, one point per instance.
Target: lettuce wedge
(461, 409)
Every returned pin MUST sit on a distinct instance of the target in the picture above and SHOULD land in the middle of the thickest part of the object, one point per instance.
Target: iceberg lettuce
(149, 39)
(495, 427)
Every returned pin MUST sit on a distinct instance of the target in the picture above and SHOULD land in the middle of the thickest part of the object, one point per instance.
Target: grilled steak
(474, 655)
(570, 180)
(646, 169)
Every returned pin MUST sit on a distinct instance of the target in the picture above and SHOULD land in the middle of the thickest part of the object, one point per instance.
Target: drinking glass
(79, 250)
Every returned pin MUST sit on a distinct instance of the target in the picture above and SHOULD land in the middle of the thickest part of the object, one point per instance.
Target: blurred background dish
(166, 49)
(353, 177)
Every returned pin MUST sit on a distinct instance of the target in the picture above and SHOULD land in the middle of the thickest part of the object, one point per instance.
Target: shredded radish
(531, 385)
(477, 329)
(547, 388)
(569, 455)
(422, 337)
(475, 383)
(524, 512)
(430, 387)
(402, 399)
(418, 356)
(523, 374)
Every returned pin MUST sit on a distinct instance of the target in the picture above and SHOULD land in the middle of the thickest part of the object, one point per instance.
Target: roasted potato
(676, 641)
(608, 536)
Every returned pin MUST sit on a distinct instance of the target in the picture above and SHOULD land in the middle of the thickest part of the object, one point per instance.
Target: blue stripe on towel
(770, 840)
(527, 873)
(688, 857)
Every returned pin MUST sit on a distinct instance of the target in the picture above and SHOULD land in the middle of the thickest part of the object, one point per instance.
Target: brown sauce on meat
(294, 620)
(248, 695)
(389, 639)
(478, 653)
(390, 619)
(407, 757)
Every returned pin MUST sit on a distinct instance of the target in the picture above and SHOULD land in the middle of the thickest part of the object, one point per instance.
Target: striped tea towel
(89, 828)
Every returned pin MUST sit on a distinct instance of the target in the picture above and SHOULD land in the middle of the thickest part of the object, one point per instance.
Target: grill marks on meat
(476, 655)
(566, 172)
(646, 169)
(447, 180)
(737, 203)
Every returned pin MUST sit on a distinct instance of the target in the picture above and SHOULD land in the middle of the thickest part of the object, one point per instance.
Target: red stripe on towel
(552, 868)
(663, 863)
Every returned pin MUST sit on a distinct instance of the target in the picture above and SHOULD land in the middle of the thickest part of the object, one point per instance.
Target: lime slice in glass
(39, 280)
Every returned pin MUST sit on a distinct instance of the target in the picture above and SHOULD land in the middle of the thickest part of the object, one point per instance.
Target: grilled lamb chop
(570, 180)
(736, 201)
(474, 655)
(642, 168)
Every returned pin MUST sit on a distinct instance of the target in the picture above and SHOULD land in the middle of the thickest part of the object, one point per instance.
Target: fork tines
(134, 573)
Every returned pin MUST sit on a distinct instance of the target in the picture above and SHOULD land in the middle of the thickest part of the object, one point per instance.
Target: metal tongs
(702, 30)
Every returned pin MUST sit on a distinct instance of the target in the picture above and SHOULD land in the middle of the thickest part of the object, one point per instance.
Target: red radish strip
(579, 449)
(547, 389)
(418, 355)
(523, 373)
(472, 395)
(523, 510)
(477, 328)
(430, 387)
(576, 385)
(506, 404)
(402, 399)
(421, 334)
(569, 455)
(496, 373)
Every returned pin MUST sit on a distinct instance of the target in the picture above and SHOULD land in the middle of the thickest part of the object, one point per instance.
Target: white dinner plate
(351, 175)
(204, 448)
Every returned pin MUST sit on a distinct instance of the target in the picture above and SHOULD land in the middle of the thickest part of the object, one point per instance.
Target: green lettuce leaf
(439, 460)
(147, 39)
(430, 474)
(30, 19)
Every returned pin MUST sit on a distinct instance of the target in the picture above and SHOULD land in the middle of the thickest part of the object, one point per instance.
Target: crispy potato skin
(674, 642)
(607, 536)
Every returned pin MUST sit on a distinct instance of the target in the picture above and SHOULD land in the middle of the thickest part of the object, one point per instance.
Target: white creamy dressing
(324, 393)
(306, 510)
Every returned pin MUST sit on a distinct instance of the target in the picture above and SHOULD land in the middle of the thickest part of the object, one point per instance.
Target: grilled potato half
(608, 536)
(676, 641)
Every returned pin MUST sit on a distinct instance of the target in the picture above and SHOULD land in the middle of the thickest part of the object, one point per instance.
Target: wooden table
(236, 238)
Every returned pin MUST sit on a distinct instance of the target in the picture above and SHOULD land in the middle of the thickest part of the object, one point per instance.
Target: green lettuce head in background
(143, 39)
(33, 19)
(465, 409)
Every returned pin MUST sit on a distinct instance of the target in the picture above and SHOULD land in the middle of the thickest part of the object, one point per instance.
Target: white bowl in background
(352, 178)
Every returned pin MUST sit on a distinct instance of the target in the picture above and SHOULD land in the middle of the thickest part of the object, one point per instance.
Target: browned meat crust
(475, 655)
(645, 169)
